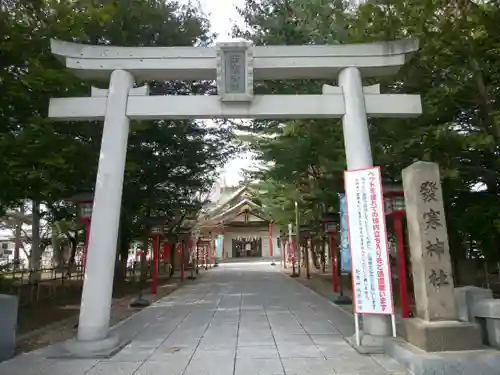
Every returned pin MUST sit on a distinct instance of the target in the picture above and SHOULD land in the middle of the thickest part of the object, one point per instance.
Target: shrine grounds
(239, 318)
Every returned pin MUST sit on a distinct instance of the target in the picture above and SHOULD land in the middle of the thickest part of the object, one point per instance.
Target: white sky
(223, 15)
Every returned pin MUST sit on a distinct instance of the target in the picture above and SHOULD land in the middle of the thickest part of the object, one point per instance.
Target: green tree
(456, 71)
(170, 163)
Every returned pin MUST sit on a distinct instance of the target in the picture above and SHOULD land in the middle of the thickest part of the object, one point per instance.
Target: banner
(218, 245)
(371, 273)
(345, 253)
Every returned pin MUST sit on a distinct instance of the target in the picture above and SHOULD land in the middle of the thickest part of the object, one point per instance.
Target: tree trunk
(485, 104)
(73, 245)
(57, 249)
(35, 253)
(19, 238)
(317, 254)
(311, 255)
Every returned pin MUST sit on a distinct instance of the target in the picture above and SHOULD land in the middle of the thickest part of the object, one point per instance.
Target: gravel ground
(66, 329)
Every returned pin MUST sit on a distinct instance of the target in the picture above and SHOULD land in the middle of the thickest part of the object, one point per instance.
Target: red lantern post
(156, 233)
(395, 207)
(331, 229)
(84, 204)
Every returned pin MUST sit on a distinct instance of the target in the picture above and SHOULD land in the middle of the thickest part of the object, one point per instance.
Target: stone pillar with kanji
(435, 327)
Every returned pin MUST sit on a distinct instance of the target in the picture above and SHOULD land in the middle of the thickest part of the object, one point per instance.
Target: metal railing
(34, 285)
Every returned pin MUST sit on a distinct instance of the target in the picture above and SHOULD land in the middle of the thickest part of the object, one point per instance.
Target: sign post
(305, 235)
(372, 286)
(156, 227)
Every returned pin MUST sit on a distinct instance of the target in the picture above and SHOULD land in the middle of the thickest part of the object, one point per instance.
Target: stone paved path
(240, 318)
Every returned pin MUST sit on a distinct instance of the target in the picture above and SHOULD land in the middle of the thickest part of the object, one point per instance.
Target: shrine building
(238, 225)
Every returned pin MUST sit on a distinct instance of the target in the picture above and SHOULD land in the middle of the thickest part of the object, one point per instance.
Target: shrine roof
(229, 214)
(225, 202)
(227, 199)
(229, 208)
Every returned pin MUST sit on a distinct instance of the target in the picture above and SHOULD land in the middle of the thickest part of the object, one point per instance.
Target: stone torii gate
(235, 66)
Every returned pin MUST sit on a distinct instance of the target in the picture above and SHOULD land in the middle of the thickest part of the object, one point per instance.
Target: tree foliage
(457, 73)
(170, 164)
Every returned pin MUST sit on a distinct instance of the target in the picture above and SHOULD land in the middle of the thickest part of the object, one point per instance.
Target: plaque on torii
(235, 67)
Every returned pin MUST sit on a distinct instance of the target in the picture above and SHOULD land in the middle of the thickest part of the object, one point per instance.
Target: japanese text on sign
(368, 242)
(432, 220)
(235, 72)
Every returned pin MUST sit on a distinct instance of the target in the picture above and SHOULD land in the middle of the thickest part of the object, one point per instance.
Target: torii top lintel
(200, 63)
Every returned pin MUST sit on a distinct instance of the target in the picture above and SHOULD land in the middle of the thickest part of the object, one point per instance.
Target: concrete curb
(419, 362)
